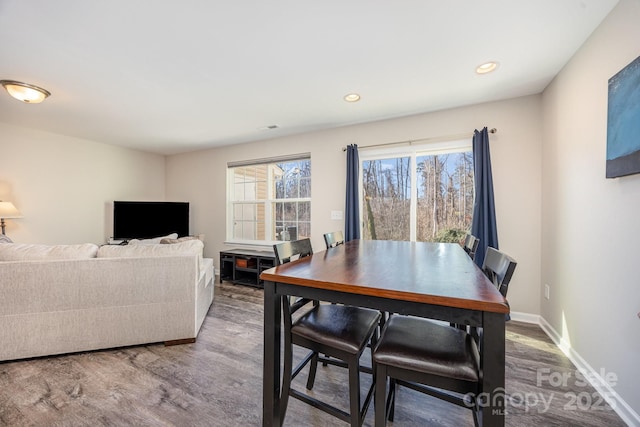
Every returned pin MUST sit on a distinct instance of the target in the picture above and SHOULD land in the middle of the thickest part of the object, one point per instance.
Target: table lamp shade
(7, 210)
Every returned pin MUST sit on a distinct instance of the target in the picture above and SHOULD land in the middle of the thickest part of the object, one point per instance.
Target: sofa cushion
(189, 247)
(30, 252)
(153, 241)
(166, 240)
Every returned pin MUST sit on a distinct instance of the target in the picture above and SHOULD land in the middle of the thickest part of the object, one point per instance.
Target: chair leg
(476, 422)
(354, 392)
(475, 410)
(391, 402)
(286, 377)
(381, 391)
(313, 367)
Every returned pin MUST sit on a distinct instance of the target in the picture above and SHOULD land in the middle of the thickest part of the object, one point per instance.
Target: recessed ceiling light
(352, 97)
(487, 67)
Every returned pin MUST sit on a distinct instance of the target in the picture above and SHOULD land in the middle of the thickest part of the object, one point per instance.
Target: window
(418, 193)
(269, 199)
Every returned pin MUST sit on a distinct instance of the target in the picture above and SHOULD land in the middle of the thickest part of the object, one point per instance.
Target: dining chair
(434, 358)
(499, 268)
(428, 357)
(333, 239)
(337, 331)
(471, 245)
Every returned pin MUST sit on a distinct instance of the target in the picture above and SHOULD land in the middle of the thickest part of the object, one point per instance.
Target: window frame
(413, 151)
(269, 203)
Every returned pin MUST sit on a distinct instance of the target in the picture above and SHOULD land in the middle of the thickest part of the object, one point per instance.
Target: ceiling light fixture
(487, 67)
(25, 92)
(352, 97)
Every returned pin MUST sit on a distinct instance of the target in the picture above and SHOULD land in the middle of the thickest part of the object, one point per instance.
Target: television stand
(243, 266)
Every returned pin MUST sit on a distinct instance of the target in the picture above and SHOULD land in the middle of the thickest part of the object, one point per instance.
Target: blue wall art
(623, 122)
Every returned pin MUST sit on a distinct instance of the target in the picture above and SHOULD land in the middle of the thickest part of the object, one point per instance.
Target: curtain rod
(431, 139)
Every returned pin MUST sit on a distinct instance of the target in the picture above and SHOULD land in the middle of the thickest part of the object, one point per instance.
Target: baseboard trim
(601, 385)
(525, 317)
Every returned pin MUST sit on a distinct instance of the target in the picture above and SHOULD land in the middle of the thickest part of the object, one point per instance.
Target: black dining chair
(434, 358)
(340, 332)
(336, 238)
(333, 239)
(471, 245)
(499, 268)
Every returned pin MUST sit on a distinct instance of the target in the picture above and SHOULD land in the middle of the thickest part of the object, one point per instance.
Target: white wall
(590, 224)
(62, 185)
(199, 177)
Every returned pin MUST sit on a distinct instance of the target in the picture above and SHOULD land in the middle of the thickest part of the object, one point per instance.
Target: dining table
(431, 280)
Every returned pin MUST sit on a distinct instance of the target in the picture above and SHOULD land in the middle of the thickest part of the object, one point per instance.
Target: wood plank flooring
(217, 381)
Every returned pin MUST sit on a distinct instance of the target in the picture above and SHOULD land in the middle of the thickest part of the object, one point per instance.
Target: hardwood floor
(217, 381)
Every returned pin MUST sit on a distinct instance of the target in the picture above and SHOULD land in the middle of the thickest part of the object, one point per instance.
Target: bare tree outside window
(443, 197)
(387, 199)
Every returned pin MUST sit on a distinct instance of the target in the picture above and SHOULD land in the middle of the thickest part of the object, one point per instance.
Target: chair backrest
(333, 239)
(471, 245)
(499, 268)
(286, 252)
(292, 250)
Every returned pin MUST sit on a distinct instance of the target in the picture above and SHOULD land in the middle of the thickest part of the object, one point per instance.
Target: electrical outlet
(546, 291)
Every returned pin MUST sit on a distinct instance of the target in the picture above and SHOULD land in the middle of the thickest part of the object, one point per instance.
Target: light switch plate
(336, 214)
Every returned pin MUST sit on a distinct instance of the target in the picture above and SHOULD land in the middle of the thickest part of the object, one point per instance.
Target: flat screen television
(145, 220)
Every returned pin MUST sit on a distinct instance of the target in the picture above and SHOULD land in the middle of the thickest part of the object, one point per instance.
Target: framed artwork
(623, 122)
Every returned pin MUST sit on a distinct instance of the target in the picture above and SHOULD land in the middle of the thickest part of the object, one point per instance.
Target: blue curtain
(483, 225)
(352, 206)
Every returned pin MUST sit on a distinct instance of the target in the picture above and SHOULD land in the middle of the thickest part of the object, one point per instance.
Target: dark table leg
(271, 367)
(492, 398)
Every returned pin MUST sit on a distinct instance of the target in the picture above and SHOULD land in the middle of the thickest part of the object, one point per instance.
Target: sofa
(70, 298)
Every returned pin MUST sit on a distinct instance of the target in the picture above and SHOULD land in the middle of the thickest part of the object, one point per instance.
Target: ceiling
(171, 77)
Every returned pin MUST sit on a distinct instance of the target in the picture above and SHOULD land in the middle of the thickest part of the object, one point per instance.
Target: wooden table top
(431, 273)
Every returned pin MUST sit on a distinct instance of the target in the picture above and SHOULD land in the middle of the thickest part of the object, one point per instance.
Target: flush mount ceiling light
(352, 97)
(25, 92)
(487, 67)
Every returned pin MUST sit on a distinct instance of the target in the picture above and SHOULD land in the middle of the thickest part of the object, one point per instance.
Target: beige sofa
(69, 298)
